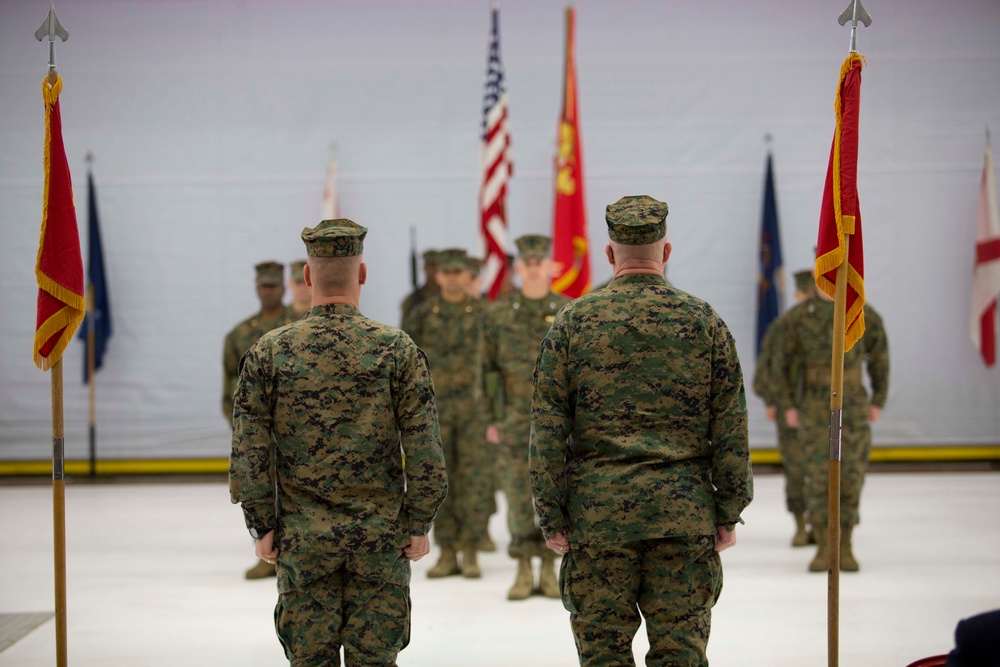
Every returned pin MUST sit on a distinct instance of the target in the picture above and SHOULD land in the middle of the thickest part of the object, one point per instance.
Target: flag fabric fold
(570, 247)
(840, 214)
(770, 285)
(497, 167)
(99, 303)
(59, 264)
(986, 270)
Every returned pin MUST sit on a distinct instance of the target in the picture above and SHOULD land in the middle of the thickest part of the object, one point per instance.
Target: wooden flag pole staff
(59, 510)
(833, 470)
(92, 362)
(855, 12)
(52, 28)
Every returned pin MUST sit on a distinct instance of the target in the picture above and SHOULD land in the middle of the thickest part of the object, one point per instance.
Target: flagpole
(59, 510)
(91, 360)
(855, 12)
(52, 28)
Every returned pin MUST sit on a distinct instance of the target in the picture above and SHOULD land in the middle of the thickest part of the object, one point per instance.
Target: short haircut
(333, 276)
(649, 251)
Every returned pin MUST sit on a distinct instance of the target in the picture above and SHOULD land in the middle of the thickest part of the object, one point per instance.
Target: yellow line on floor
(110, 467)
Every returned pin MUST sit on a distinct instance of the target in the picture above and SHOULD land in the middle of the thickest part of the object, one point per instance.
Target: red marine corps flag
(59, 265)
(569, 232)
(986, 273)
(497, 167)
(840, 214)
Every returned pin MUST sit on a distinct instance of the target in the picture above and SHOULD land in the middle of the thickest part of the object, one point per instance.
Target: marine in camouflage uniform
(425, 291)
(270, 290)
(516, 325)
(336, 400)
(807, 342)
(640, 462)
(448, 327)
(792, 456)
(301, 295)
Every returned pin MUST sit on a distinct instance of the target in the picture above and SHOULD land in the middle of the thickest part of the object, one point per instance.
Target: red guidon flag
(841, 214)
(59, 266)
(569, 233)
(986, 272)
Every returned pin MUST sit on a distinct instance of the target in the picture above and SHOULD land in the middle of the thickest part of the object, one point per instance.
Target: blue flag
(98, 304)
(770, 287)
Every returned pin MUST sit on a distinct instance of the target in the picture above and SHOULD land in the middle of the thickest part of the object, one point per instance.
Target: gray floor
(155, 571)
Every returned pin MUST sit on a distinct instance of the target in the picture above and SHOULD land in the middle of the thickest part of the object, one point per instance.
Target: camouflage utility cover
(335, 238)
(636, 220)
(270, 273)
(337, 398)
(639, 422)
(533, 245)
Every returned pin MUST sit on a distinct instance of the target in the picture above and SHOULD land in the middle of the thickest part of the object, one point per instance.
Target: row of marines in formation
(481, 357)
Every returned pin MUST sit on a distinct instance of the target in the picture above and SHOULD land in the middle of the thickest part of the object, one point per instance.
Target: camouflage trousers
(673, 582)
(525, 535)
(856, 447)
(360, 601)
(792, 465)
(462, 518)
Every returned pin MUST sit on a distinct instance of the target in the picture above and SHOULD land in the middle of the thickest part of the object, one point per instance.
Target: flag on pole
(99, 306)
(770, 283)
(59, 265)
(840, 213)
(331, 210)
(570, 248)
(497, 166)
(986, 271)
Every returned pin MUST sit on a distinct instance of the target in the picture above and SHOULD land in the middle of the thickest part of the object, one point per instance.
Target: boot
(847, 561)
(446, 566)
(547, 580)
(470, 566)
(261, 570)
(820, 561)
(486, 544)
(523, 582)
(801, 537)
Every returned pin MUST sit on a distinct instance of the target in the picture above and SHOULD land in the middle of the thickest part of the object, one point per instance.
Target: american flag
(497, 167)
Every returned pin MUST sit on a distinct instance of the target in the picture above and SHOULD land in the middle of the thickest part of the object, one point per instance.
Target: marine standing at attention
(807, 343)
(272, 314)
(765, 385)
(335, 400)
(516, 325)
(448, 327)
(640, 462)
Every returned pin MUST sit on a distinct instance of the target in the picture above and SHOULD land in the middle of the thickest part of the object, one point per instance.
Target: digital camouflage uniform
(789, 445)
(337, 399)
(639, 451)
(245, 334)
(420, 294)
(807, 341)
(514, 333)
(451, 336)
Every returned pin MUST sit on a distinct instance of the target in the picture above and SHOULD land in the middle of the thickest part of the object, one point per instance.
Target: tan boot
(261, 570)
(820, 562)
(446, 566)
(524, 583)
(547, 579)
(847, 561)
(470, 564)
(487, 544)
(801, 537)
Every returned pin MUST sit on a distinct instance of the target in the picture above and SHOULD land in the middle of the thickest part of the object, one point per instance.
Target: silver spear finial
(855, 12)
(51, 27)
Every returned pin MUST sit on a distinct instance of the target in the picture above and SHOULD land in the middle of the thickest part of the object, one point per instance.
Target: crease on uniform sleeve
(731, 473)
(420, 437)
(251, 481)
(551, 424)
